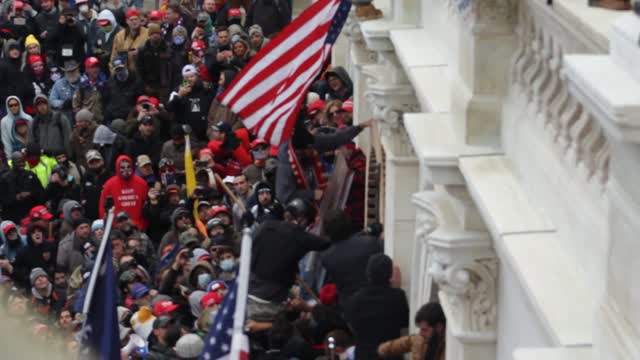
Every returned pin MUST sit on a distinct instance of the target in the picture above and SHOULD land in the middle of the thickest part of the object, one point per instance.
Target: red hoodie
(128, 195)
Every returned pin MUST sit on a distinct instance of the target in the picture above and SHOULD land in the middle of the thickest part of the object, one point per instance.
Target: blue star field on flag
(218, 342)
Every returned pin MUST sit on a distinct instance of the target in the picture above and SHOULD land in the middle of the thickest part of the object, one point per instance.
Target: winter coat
(123, 41)
(173, 235)
(154, 65)
(145, 146)
(415, 344)
(179, 58)
(10, 250)
(357, 163)
(346, 81)
(55, 193)
(30, 257)
(103, 44)
(277, 249)
(52, 131)
(346, 261)
(47, 21)
(121, 97)
(69, 43)
(90, 29)
(128, 195)
(92, 183)
(10, 141)
(90, 96)
(13, 80)
(81, 142)
(193, 108)
(71, 252)
(49, 305)
(271, 15)
(62, 94)
(15, 181)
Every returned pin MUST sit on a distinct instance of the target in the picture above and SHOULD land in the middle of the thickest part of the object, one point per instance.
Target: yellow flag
(190, 175)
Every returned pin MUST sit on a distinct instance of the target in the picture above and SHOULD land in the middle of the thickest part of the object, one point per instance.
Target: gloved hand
(247, 219)
(67, 104)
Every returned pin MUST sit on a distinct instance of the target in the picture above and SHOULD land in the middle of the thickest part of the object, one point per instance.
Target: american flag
(268, 92)
(217, 345)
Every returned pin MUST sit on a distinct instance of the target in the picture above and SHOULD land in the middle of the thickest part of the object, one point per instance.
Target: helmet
(300, 208)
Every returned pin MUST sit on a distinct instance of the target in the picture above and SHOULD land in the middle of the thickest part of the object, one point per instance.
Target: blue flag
(100, 333)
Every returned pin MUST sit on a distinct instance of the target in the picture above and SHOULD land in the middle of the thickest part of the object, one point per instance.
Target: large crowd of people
(100, 98)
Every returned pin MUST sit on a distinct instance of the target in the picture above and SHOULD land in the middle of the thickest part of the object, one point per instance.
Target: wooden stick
(230, 193)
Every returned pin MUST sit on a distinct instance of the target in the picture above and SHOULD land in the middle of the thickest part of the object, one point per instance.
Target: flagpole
(241, 296)
(96, 266)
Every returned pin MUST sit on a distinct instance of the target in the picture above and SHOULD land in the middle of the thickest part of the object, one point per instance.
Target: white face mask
(83, 8)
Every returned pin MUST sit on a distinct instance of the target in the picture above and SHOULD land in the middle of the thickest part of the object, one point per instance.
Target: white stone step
(578, 353)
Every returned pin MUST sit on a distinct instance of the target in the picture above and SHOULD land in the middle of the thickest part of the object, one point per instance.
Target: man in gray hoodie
(51, 129)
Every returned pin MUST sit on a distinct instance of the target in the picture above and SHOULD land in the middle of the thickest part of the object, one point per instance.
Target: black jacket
(277, 249)
(92, 183)
(193, 109)
(121, 96)
(69, 44)
(55, 193)
(140, 146)
(31, 257)
(153, 64)
(47, 21)
(346, 261)
(14, 182)
(13, 81)
(271, 15)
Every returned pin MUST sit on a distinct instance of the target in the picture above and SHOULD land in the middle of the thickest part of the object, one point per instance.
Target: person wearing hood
(38, 74)
(82, 136)
(19, 20)
(123, 88)
(340, 84)
(61, 96)
(378, 312)
(90, 94)
(47, 24)
(181, 220)
(101, 48)
(180, 46)
(219, 112)
(267, 206)
(45, 300)
(51, 129)
(14, 127)
(201, 274)
(74, 170)
(14, 81)
(117, 8)
(128, 41)
(159, 206)
(61, 186)
(22, 188)
(71, 210)
(271, 15)
(69, 40)
(256, 35)
(109, 144)
(94, 179)
(12, 240)
(78, 246)
(154, 64)
(88, 23)
(128, 190)
(38, 253)
(191, 102)
(242, 51)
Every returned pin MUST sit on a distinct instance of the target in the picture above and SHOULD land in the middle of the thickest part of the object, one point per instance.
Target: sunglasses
(125, 166)
(13, 105)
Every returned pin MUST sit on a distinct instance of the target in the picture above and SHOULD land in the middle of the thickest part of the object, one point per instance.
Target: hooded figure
(14, 81)
(104, 40)
(10, 248)
(110, 144)
(22, 190)
(38, 253)
(51, 129)
(128, 190)
(14, 134)
(340, 86)
(378, 312)
(173, 235)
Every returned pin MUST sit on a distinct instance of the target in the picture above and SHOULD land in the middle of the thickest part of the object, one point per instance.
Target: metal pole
(241, 296)
(96, 266)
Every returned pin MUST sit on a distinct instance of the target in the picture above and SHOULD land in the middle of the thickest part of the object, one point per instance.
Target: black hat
(80, 221)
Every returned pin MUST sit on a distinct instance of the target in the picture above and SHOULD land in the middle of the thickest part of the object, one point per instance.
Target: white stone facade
(510, 131)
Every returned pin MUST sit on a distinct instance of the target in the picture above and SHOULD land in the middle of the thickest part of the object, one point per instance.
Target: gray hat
(36, 273)
(256, 29)
(187, 238)
(189, 346)
(180, 30)
(84, 115)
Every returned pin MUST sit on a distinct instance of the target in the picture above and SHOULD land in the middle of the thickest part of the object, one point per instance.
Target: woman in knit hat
(180, 46)
(242, 52)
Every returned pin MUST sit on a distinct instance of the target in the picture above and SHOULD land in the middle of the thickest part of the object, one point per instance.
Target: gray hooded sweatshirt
(8, 128)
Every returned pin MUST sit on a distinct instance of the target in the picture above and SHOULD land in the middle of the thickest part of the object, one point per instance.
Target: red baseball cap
(8, 227)
(198, 45)
(315, 107)
(164, 307)
(18, 5)
(258, 142)
(91, 61)
(348, 105)
(209, 299)
(40, 212)
(154, 101)
(132, 13)
(104, 22)
(234, 12)
(205, 151)
(142, 98)
(156, 14)
(219, 209)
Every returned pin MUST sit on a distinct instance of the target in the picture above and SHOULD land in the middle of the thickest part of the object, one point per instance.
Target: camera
(146, 106)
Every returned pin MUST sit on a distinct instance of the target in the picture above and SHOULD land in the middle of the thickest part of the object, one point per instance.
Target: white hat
(189, 346)
(188, 69)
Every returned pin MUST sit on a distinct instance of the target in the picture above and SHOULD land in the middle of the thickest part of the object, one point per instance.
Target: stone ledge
(411, 53)
(556, 288)
(377, 33)
(578, 353)
(501, 199)
(592, 22)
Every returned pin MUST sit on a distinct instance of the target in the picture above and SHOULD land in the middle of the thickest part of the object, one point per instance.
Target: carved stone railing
(538, 77)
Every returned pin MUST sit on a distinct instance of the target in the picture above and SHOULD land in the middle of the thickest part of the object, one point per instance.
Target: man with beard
(75, 171)
(127, 41)
(75, 248)
(268, 206)
(61, 97)
(143, 250)
(123, 89)
(46, 24)
(90, 93)
(68, 39)
(191, 102)
(51, 129)
(153, 64)
(37, 253)
(22, 190)
(94, 179)
(145, 140)
(82, 136)
(128, 191)
(13, 80)
(181, 220)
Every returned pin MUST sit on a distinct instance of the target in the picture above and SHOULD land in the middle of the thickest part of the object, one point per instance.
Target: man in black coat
(68, 40)
(145, 140)
(271, 15)
(14, 81)
(123, 89)
(347, 258)
(22, 188)
(47, 24)
(37, 253)
(377, 312)
(93, 181)
(191, 102)
(153, 64)
(277, 249)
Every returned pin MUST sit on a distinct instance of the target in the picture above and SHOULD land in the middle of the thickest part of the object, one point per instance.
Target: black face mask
(218, 239)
